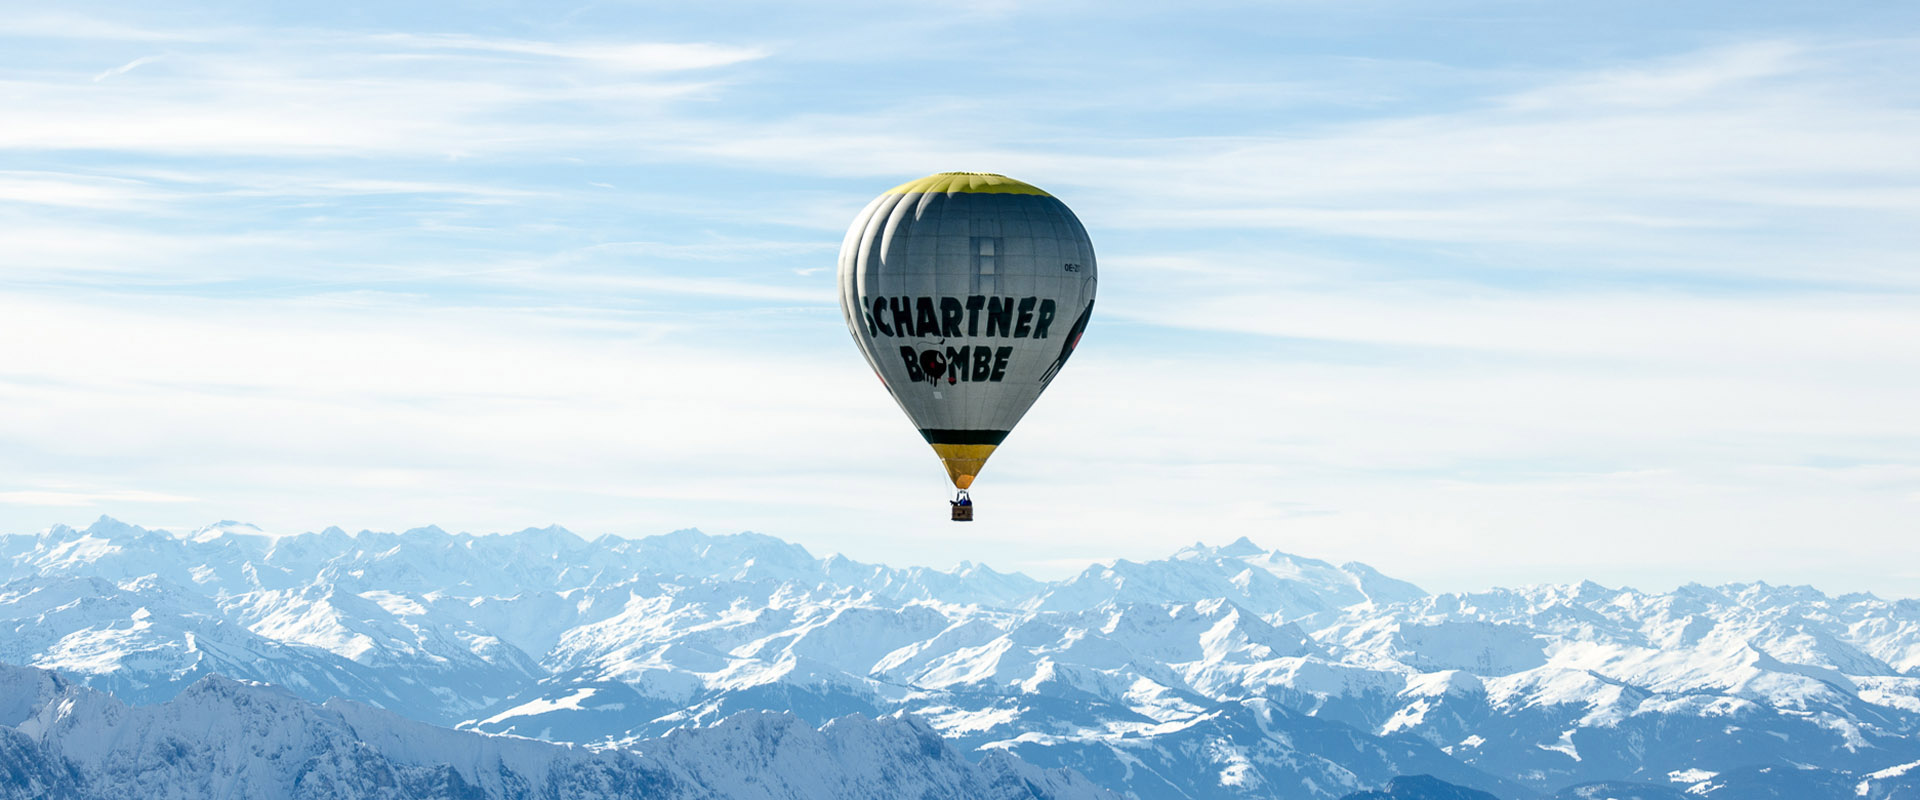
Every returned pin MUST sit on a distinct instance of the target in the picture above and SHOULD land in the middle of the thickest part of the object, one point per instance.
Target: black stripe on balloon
(952, 436)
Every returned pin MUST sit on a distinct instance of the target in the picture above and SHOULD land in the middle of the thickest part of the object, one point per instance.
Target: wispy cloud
(1814, 331)
(125, 68)
(399, 94)
(1689, 163)
(82, 191)
(82, 27)
(627, 56)
(1672, 82)
(65, 499)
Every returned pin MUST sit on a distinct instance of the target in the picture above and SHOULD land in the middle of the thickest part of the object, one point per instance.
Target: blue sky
(1476, 293)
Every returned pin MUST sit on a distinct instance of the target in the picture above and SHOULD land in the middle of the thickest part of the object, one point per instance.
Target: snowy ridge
(1217, 672)
(222, 738)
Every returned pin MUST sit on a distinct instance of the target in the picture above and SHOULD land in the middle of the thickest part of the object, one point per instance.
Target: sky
(1478, 293)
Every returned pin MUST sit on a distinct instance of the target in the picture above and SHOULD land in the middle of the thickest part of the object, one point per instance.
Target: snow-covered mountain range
(222, 738)
(1219, 672)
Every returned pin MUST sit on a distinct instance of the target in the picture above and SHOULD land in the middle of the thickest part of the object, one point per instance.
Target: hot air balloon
(966, 292)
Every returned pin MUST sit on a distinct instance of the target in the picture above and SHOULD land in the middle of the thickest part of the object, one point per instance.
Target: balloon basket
(962, 507)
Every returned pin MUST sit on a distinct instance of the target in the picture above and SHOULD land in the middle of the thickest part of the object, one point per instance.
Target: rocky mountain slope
(223, 738)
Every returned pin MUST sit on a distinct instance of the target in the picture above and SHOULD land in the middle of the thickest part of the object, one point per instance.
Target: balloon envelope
(966, 292)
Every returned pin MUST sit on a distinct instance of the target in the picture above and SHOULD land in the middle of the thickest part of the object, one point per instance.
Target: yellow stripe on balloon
(963, 461)
(968, 183)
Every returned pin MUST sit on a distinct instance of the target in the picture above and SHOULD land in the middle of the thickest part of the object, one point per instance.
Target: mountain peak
(107, 527)
(58, 530)
(217, 686)
(223, 528)
(1240, 547)
(551, 531)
